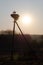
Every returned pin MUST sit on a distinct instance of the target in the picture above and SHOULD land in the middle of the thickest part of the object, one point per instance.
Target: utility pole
(15, 17)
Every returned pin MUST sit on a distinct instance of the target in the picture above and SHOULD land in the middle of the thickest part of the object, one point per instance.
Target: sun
(26, 20)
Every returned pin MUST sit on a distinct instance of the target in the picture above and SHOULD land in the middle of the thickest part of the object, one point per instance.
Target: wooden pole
(13, 42)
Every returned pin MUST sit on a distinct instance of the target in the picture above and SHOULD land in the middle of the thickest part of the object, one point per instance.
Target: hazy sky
(33, 8)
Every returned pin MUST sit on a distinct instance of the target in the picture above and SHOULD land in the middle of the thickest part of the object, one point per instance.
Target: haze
(34, 8)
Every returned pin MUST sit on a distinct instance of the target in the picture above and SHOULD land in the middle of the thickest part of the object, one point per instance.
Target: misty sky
(33, 8)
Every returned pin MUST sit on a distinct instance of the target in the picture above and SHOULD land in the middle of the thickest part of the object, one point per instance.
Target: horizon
(11, 32)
